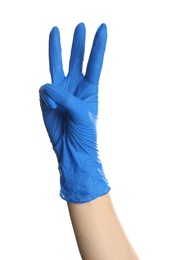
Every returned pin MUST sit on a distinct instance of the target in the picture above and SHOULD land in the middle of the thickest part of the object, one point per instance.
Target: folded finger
(63, 98)
(46, 99)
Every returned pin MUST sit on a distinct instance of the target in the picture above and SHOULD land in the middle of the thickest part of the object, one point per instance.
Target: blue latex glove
(70, 107)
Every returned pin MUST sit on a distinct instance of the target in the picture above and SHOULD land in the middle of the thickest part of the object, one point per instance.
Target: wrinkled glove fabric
(69, 107)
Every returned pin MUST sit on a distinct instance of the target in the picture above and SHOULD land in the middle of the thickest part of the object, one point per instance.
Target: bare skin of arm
(98, 231)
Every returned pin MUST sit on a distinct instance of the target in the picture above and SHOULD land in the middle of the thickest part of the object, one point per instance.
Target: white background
(135, 124)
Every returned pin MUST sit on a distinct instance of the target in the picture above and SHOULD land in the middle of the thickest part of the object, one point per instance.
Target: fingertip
(102, 30)
(103, 26)
(44, 94)
(54, 34)
(81, 24)
(52, 103)
(80, 28)
(54, 29)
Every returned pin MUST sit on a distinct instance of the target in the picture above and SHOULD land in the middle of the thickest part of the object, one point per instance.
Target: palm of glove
(81, 112)
(69, 106)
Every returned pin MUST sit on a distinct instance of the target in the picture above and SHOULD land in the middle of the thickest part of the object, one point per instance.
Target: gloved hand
(70, 106)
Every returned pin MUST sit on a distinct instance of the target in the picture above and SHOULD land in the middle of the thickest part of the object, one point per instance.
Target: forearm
(98, 231)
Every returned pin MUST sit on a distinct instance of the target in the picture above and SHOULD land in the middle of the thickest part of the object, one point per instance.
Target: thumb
(64, 98)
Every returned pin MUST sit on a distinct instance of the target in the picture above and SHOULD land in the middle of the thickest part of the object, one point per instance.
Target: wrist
(82, 183)
(82, 177)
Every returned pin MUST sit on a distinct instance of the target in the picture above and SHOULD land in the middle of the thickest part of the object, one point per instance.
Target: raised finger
(96, 57)
(55, 56)
(77, 50)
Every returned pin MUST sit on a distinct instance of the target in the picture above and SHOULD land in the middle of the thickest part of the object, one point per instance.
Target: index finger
(55, 57)
(95, 61)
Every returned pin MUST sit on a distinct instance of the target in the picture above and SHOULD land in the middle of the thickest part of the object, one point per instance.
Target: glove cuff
(82, 177)
(80, 185)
